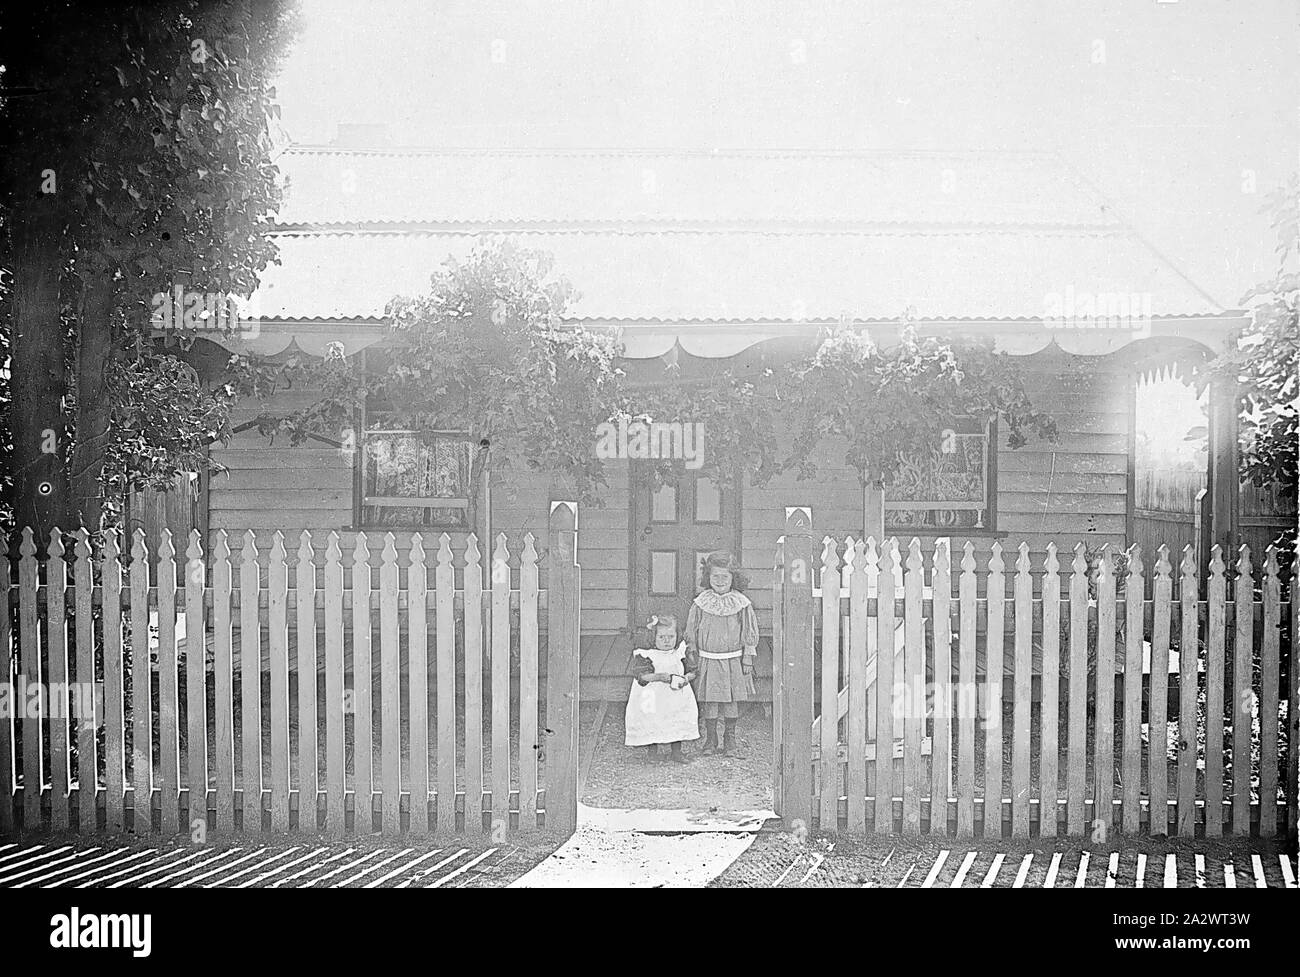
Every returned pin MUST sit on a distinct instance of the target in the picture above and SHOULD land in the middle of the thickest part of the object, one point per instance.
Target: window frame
(988, 525)
(362, 509)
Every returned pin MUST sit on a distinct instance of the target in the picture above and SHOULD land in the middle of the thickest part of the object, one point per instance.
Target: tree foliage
(886, 402)
(482, 352)
(1261, 362)
(140, 144)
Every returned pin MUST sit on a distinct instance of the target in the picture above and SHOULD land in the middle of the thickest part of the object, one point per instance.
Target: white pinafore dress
(656, 712)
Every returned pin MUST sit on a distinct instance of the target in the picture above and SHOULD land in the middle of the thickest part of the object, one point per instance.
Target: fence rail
(1144, 717)
(360, 699)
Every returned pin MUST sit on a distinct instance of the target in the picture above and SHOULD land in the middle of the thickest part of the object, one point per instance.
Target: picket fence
(213, 747)
(942, 711)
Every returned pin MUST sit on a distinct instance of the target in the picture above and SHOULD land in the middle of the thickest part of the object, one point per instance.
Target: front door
(674, 527)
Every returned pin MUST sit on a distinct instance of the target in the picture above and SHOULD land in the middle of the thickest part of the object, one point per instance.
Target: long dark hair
(723, 560)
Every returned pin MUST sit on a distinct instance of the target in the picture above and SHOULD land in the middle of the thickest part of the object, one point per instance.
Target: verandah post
(563, 579)
(873, 508)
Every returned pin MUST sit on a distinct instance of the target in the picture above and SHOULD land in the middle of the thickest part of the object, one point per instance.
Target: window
(417, 478)
(408, 476)
(951, 486)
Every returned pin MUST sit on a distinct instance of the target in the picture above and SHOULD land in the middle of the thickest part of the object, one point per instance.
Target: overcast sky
(1184, 113)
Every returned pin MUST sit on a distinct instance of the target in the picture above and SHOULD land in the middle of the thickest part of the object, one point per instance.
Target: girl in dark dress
(722, 633)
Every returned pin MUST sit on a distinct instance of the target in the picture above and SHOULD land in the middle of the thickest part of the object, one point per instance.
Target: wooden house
(726, 259)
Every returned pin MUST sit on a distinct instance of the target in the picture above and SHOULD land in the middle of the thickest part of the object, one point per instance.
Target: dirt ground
(822, 860)
(621, 777)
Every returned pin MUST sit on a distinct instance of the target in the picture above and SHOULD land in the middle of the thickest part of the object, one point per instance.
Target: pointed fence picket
(1087, 670)
(229, 656)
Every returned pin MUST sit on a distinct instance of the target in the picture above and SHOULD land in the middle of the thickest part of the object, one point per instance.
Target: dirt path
(620, 776)
(605, 856)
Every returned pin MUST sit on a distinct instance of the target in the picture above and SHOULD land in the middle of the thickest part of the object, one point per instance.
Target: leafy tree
(884, 403)
(484, 352)
(740, 419)
(139, 158)
(1262, 359)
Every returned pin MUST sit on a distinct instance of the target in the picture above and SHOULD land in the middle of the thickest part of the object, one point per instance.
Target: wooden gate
(401, 694)
(1065, 683)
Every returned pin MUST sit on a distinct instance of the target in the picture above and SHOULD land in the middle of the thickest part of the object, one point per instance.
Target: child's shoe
(710, 739)
(677, 756)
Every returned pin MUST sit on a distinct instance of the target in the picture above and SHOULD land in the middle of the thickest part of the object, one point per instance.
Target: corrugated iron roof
(335, 185)
(698, 236)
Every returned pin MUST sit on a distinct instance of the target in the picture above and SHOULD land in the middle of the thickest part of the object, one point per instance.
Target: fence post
(1293, 703)
(1243, 696)
(797, 669)
(563, 581)
(1269, 668)
(830, 767)
(778, 691)
(856, 677)
(110, 568)
(196, 684)
(87, 722)
(30, 656)
(57, 700)
(6, 719)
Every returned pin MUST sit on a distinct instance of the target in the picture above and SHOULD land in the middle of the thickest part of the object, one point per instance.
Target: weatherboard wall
(1075, 489)
(271, 485)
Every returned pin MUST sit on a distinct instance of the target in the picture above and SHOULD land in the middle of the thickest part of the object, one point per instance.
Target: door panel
(673, 528)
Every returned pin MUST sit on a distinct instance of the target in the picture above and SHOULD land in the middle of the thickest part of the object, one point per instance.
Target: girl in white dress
(661, 704)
